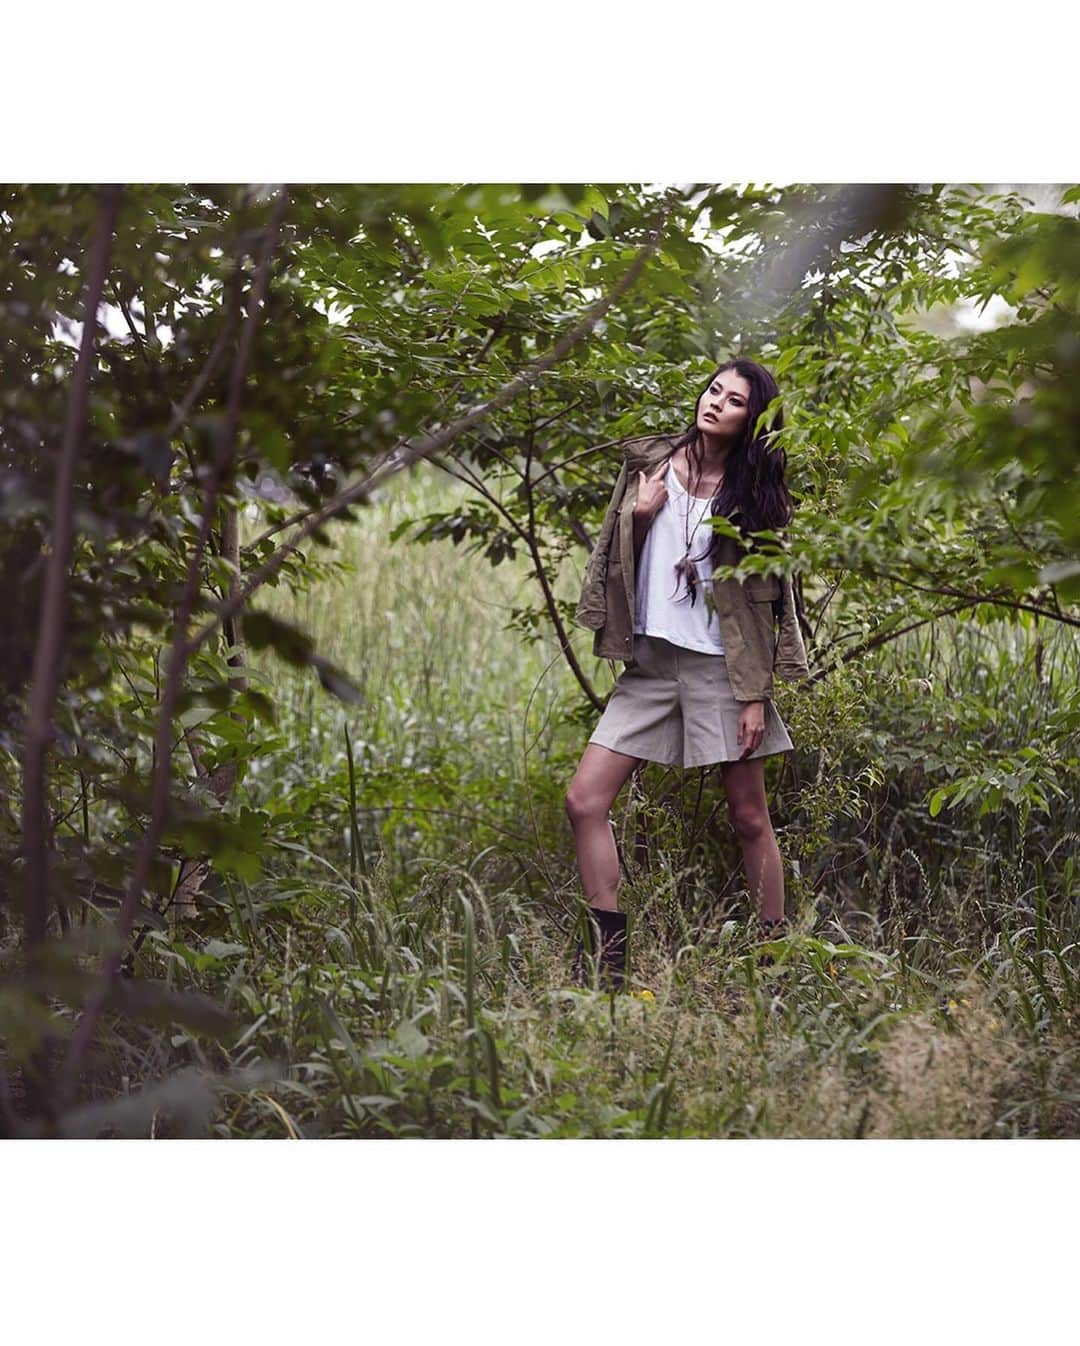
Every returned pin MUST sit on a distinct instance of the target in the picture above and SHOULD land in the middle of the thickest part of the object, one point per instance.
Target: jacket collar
(648, 451)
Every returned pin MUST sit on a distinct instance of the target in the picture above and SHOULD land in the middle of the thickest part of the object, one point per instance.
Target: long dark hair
(753, 494)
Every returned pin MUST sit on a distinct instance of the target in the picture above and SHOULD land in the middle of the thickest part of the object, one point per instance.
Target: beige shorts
(676, 706)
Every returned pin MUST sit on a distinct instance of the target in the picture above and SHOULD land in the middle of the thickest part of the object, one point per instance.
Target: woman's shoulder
(648, 448)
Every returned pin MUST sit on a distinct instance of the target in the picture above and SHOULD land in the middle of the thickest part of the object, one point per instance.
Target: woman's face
(724, 406)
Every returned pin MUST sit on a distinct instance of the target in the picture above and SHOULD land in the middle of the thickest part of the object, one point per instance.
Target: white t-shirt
(662, 605)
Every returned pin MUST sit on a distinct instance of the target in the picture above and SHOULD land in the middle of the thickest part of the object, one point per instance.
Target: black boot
(768, 931)
(607, 932)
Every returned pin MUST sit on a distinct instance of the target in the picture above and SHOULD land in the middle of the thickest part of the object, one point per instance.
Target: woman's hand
(651, 493)
(751, 727)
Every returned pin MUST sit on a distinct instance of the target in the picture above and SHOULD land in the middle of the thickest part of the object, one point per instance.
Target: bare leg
(600, 776)
(744, 783)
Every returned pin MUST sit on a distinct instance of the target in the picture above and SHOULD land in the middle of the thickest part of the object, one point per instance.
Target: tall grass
(449, 1015)
(461, 731)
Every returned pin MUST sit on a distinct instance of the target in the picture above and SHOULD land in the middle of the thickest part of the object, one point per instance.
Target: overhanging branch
(405, 456)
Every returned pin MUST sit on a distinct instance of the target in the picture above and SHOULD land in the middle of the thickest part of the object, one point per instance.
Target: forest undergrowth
(398, 962)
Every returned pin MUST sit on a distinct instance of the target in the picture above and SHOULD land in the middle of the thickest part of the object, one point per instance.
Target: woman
(700, 652)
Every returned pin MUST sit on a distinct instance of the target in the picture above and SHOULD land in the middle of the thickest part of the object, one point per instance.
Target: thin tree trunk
(49, 650)
(51, 637)
(179, 654)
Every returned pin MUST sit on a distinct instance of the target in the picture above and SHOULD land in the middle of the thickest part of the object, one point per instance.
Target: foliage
(255, 901)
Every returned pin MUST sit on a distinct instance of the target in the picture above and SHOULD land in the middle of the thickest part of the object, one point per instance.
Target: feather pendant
(686, 569)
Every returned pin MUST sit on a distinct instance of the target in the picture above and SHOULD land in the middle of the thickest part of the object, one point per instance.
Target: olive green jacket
(746, 612)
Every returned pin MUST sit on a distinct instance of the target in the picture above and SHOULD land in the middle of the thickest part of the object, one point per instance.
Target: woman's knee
(583, 804)
(750, 819)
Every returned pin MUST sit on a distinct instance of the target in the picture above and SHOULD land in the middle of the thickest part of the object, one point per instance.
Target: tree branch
(549, 596)
(993, 600)
(527, 537)
(882, 638)
(121, 303)
(407, 455)
(183, 410)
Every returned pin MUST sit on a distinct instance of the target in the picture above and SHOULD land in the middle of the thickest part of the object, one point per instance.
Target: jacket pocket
(592, 605)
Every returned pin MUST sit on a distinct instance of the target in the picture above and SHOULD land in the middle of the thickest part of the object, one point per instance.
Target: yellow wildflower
(646, 995)
(952, 1007)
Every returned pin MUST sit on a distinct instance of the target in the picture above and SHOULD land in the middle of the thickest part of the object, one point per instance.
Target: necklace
(686, 567)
